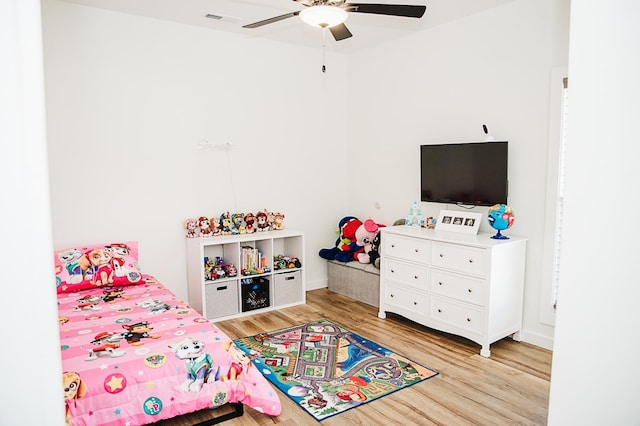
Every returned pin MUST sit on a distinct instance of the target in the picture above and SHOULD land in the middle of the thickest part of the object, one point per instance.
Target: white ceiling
(367, 29)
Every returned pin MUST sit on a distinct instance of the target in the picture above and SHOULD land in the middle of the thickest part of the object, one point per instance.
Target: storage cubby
(261, 288)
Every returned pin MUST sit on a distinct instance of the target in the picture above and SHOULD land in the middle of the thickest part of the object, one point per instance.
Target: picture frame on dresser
(462, 222)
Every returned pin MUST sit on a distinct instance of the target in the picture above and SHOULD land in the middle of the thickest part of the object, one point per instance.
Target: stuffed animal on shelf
(278, 218)
(205, 226)
(239, 226)
(191, 225)
(215, 226)
(261, 219)
(250, 220)
(226, 224)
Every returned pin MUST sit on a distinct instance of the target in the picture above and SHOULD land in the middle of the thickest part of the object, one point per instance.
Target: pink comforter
(136, 355)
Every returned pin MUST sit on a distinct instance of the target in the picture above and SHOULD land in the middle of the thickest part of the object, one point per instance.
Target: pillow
(99, 265)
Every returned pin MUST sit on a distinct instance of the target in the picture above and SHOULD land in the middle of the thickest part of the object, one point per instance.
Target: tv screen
(464, 173)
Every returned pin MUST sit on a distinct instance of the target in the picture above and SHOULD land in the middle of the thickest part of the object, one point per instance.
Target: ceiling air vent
(223, 18)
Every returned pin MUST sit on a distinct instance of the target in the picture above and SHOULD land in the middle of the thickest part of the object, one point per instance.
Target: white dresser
(468, 285)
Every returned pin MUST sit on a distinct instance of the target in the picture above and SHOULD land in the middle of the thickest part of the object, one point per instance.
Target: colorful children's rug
(328, 369)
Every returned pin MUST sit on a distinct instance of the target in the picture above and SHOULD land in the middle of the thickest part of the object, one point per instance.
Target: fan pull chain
(324, 45)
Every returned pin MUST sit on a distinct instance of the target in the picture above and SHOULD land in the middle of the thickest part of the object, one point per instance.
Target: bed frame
(238, 412)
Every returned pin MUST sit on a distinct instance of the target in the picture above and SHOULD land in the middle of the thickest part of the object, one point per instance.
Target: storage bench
(360, 281)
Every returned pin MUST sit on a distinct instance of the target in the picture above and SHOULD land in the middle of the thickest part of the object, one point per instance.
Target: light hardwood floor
(510, 388)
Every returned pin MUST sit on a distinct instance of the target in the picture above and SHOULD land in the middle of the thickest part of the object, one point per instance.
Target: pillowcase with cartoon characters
(98, 265)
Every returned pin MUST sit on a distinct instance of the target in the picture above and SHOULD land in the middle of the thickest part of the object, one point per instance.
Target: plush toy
(365, 234)
(354, 241)
(239, 226)
(227, 226)
(191, 225)
(346, 224)
(374, 253)
(205, 226)
(278, 218)
(261, 219)
(249, 220)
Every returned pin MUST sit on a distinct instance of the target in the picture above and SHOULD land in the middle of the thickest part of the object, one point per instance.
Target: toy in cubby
(286, 262)
(217, 268)
(252, 262)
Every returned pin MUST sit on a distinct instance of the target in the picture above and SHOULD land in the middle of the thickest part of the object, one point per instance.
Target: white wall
(595, 379)
(128, 100)
(441, 85)
(126, 109)
(30, 359)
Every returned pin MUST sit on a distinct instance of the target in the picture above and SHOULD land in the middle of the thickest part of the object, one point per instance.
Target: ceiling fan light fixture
(323, 16)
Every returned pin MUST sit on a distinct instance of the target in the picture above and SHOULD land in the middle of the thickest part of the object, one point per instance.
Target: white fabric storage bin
(287, 287)
(221, 299)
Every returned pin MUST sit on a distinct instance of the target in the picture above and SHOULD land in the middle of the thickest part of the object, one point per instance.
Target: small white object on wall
(462, 222)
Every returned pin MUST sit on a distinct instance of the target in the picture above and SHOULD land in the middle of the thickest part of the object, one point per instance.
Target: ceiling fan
(331, 14)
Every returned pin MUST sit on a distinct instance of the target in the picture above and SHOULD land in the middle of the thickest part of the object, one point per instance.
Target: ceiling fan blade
(340, 32)
(406, 10)
(271, 20)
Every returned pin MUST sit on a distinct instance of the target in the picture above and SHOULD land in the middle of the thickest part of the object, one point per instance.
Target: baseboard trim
(315, 285)
(537, 339)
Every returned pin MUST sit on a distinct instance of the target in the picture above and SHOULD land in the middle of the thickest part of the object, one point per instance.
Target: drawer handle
(392, 271)
(439, 282)
(468, 319)
(470, 260)
(439, 310)
(393, 245)
(221, 288)
(415, 303)
(415, 277)
(441, 255)
(470, 291)
(391, 295)
(417, 250)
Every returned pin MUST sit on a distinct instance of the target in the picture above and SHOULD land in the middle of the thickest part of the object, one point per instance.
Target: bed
(133, 353)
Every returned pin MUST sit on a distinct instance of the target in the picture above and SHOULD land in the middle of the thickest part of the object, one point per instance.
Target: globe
(500, 217)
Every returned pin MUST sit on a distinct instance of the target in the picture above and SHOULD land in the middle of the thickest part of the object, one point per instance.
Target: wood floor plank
(511, 387)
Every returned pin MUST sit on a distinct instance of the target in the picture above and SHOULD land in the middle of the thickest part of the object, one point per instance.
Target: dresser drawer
(470, 260)
(407, 299)
(406, 273)
(457, 315)
(412, 249)
(458, 287)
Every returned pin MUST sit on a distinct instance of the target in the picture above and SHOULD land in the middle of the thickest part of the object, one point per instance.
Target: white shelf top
(482, 239)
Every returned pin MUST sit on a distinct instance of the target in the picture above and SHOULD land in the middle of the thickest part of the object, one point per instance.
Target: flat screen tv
(472, 173)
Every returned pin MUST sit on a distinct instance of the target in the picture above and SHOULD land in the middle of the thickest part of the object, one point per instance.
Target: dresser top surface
(482, 239)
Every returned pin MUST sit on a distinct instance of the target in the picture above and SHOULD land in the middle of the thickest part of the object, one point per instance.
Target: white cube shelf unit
(226, 298)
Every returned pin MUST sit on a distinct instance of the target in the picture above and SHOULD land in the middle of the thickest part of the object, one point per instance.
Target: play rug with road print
(328, 369)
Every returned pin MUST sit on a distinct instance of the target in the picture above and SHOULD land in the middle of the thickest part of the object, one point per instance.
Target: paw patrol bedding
(136, 354)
